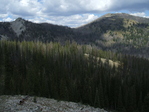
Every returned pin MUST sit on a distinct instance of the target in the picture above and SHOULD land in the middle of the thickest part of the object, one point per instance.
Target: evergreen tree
(146, 104)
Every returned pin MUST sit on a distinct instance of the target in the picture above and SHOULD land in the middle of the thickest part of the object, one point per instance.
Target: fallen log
(23, 100)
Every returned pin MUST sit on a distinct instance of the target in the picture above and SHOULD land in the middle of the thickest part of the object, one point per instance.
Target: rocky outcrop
(11, 104)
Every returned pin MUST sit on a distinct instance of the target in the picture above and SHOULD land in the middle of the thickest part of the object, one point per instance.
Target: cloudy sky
(72, 13)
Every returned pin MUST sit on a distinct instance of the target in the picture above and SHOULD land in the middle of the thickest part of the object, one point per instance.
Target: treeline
(64, 73)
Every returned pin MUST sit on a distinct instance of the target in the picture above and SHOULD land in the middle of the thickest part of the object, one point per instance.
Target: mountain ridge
(118, 32)
(121, 15)
(121, 33)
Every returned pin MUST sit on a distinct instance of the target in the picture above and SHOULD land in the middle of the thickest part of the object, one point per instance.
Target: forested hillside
(64, 72)
(119, 32)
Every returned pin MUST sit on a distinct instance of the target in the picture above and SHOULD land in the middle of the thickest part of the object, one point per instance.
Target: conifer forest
(73, 72)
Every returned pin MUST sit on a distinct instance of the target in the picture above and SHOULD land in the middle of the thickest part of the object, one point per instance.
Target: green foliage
(146, 104)
(64, 73)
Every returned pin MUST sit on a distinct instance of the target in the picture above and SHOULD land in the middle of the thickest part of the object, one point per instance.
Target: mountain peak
(126, 16)
(118, 16)
(18, 26)
(19, 19)
(115, 14)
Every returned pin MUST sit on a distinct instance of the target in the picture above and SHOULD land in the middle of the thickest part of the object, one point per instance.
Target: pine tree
(146, 104)
(120, 106)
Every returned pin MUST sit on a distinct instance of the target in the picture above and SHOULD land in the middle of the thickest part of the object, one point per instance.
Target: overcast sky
(71, 13)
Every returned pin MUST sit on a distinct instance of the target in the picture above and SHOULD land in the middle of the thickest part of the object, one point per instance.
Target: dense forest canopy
(75, 72)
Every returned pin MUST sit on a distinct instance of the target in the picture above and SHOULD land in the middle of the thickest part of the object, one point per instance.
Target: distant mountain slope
(6, 32)
(118, 32)
(21, 29)
(120, 15)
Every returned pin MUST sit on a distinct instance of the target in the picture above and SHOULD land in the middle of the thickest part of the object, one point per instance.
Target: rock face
(11, 104)
(18, 26)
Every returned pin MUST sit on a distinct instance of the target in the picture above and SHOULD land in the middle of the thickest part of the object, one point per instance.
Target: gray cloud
(59, 11)
(69, 7)
(131, 5)
(4, 6)
(72, 21)
(24, 7)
